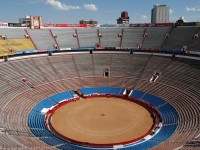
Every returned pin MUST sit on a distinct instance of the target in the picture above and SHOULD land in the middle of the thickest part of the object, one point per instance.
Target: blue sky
(104, 11)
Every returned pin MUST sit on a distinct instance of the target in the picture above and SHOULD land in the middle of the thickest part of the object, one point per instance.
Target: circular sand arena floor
(101, 120)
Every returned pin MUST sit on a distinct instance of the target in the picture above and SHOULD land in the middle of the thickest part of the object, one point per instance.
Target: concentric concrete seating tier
(178, 85)
(42, 39)
(13, 33)
(129, 37)
(88, 37)
(154, 39)
(7, 142)
(88, 91)
(132, 37)
(83, 70)
(102, 90)
(109, 37)
(66, 37)
(168, 113)
(194, 46)
(110, 90)
(62, 96)
(179, 37)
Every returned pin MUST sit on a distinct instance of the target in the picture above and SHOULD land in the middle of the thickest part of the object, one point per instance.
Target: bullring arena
(102, 121)
(67, 95)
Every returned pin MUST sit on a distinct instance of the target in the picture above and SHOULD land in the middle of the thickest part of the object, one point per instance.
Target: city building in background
(124, 19)
(160, 14)
(36, 22)
(26, 21)
(88, 22)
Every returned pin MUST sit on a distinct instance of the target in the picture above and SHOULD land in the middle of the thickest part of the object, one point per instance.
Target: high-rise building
(160, 14)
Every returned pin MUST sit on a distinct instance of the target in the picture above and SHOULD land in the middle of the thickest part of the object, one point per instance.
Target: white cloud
(183, 18)
(192, 9)
(171, 11)
(91, 7)
(143, 17)
(60, 6)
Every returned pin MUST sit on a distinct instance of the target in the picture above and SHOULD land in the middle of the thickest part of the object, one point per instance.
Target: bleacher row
(167, 39)
(168, 113)
(178, 85)
(36, 119)
(102, 90)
